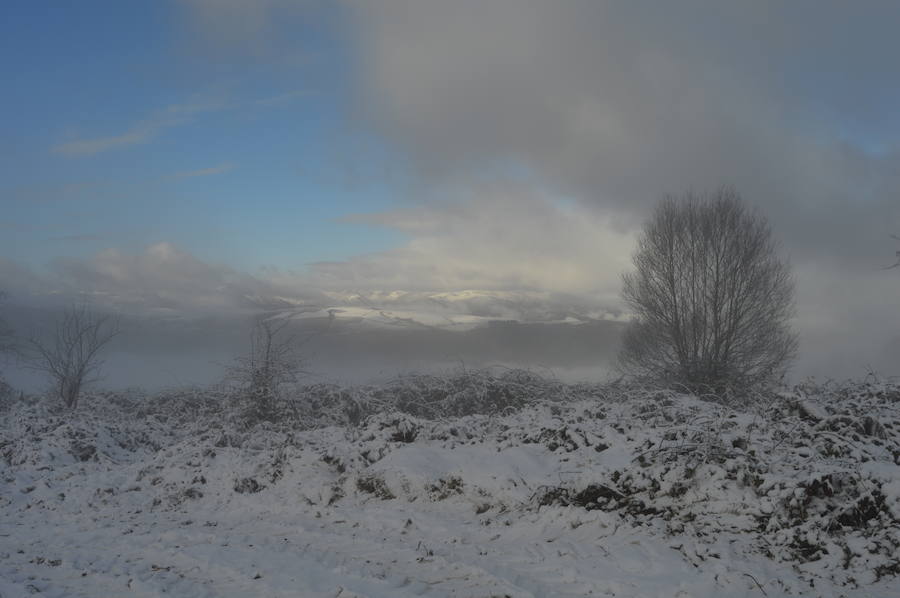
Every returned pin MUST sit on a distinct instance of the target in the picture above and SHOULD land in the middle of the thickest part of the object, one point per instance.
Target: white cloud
(188, 174)
(160, 277)
(176, 115)
(141, 132)
(497, 237)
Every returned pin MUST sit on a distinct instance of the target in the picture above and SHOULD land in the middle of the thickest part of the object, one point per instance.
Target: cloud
(233, 22)
(162, 277)
(618, 103)
(176, 115)
(187, 174)
(265, 32)
(495, 237)
(499, 240)
(141, 132)
(615, 104)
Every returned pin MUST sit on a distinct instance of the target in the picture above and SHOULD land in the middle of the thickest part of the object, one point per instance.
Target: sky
(129, 124)
(189, 154)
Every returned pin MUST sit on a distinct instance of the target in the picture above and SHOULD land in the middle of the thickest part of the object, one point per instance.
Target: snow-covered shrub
(6, 394)
(456, 393)
(468, 392)
(806, 480)
(261, 378)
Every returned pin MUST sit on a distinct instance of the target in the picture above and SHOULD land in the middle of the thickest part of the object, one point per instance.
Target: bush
(270, 368)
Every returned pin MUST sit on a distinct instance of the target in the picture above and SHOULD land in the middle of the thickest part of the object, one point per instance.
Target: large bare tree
(712, 300)
(71, 356)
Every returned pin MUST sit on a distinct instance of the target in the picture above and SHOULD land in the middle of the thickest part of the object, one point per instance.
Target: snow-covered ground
(569, 491)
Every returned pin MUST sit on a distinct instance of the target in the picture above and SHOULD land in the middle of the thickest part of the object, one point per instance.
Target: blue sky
(123, 127)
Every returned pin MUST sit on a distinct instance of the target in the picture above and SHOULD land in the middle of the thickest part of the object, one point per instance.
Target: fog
(156, 354)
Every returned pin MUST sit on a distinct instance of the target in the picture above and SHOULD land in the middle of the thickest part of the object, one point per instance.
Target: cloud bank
(501, 241)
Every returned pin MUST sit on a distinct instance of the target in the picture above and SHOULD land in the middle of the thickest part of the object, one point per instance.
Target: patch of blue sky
(114, 135)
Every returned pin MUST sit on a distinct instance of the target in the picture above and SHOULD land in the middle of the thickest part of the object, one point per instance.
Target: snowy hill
(473, 484)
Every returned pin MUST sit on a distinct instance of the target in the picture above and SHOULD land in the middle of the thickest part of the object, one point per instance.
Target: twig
(757, 584)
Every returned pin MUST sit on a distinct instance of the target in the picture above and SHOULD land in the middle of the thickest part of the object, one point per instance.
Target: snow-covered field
(554, 492)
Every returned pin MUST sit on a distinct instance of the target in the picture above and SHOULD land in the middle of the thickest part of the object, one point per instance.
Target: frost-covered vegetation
(484, 483)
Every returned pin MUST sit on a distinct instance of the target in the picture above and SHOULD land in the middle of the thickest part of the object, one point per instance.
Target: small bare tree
(711, 299)
(71, 358)
(270, 365)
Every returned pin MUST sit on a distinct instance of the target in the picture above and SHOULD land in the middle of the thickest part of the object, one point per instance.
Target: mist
(156, 354)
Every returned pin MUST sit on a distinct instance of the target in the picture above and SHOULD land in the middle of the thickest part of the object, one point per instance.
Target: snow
(452, 311)
(383, 318)
(603, 491)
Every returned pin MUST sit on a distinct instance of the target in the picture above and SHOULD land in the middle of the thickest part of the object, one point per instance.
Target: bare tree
(711, 299)
(71, 358)
(269, 367)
